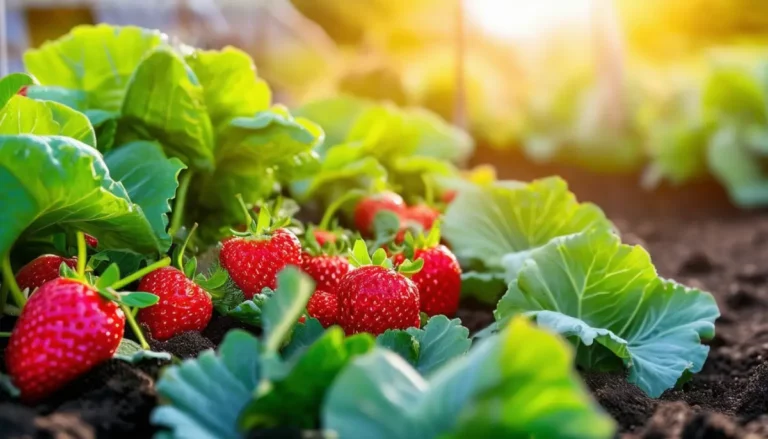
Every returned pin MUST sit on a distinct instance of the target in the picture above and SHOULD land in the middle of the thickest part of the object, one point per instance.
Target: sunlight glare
(526, 19)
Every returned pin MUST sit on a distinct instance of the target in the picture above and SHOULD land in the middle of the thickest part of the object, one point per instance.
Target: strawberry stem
(180, 260)
(82, 254)
(3, 297)
(429, 190)
(334, 207)
(135, 327)
(180, 202)
(9, 279)
(248, 217)
(166, 261)
(5, 334)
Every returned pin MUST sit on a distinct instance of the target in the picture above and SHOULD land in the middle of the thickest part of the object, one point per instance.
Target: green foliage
(516, 384)
(591, 288)
(22, 115)
(281, 312)
(10, 85)
(96, 61)
(205, 395)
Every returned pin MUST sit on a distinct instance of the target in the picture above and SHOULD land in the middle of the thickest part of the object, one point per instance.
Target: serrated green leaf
(440, 341)
(303, 336)
(131, 352)
(401, 343)
(108, 277)
(11, 84)
(281, 312)
(207, 394)
(165, 102)
(296, 399)
(22, 115)
(73, 183)
(250, 311)
(139, 299)
(516, 384)
(489, 223)
(97, 61)
(591, 288)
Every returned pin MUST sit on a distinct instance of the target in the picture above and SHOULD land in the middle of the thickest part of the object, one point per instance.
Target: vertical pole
(3, 40)
(460, 99)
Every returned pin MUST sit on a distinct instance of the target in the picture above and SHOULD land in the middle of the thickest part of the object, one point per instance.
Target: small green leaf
(440, 341)
(190, 268)
(109, 294)
(410, 267)
(401, 343)
(265, 218)
(68, 272)
(303, 336)
(108, 277)
(281, 312)
(385, 225)
(139, 299)
(359, 255)
(131, 352)
(379, 256)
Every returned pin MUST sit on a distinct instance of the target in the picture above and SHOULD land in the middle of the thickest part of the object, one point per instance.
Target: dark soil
(694, 236)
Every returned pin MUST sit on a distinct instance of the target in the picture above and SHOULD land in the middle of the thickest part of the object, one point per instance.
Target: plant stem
(180, 261)
(180, 202)
(82, 254)
(334, 207)
(9, 279)
(166, 261)
(429, 191)
(3, 297)
(5, 334)
(135, 327)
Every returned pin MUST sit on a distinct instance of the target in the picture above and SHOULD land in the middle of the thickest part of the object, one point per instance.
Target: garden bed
(693, 234)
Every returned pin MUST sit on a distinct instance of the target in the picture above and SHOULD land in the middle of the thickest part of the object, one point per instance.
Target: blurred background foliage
(614, 86)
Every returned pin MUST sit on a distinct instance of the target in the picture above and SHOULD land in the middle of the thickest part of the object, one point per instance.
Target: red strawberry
(367, 208)
(183, 306)
(448, 196)
(254, 261)
(323, 306)
(326, 270)
(41, 270)
(324, 237)
(374, 298)
(421, 214)
(64, 330)
(439, 281)
(23, 90)
(91, 241)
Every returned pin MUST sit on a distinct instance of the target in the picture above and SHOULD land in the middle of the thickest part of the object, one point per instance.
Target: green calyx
(421, 241)
(359, 257)
(264, 224)
(331, 248)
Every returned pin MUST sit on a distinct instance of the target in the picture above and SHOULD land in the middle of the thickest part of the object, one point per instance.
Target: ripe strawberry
(183, 306)
(323, 306)
(64, 330)
(439, 280)
(41, 270)
(23, 90)
(367, 208)
(254, 261)
(448, 196)
(326, 270)
(324, 237)
(422, 215)
(91, 241)
(373, 297)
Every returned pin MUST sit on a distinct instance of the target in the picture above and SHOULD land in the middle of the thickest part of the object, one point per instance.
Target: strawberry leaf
(281, 311)
(251, 311)
(304, 334)
(487, 287)
(440, 341)
(131, 352)
(206, 395)
(359, 255)
(519, 383)
(108, 277)
(401, 343)
(138, 299)
(190, 268)
(410, 267)
(296, 399)
(27, 116)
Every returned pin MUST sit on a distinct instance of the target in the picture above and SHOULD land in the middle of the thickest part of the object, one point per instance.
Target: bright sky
(526, 19)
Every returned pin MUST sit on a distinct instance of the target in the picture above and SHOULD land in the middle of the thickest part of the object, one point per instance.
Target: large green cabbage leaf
(591, 288)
